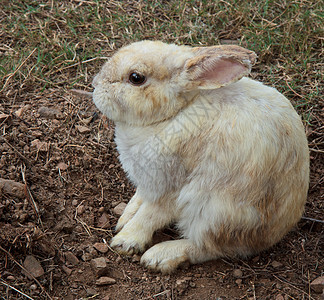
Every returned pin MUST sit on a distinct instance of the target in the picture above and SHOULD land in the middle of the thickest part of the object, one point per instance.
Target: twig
(111, 249)
(13, 148)
(315, 150)
(293, 90)
(82, 93)
(162, 293)
(82, 62)
(298, 289)
(26, 271)
(12, 74)
(85, 225)
(30, 197)
(13, 288)
(312, 219)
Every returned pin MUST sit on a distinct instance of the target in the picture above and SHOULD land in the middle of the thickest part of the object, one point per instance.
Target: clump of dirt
(61, 150)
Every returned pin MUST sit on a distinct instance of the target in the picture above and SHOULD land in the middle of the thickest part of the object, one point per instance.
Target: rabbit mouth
(109, 104)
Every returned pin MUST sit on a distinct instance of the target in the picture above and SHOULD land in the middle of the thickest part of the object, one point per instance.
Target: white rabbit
(223, 157)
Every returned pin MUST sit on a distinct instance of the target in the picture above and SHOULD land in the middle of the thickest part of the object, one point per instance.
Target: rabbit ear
(213, 67)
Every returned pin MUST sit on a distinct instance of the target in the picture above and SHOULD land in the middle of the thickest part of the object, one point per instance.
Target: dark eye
(136, 78)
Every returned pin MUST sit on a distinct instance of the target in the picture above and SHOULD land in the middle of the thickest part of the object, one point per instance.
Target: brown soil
(68, 161)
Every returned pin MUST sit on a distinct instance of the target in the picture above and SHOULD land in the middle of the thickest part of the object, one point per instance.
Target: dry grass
(59, 44)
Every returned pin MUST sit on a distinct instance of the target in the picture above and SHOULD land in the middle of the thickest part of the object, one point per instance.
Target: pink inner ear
(222, 71)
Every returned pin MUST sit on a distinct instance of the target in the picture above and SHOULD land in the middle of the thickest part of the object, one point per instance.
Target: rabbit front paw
(166, 256)
(129, 242)
(129, 212)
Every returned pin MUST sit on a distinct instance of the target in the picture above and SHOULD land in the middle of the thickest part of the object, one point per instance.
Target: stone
(105, 281)
(80, 209)
(91, 292)
(90, 249)
(99, 266)
(101, 247)
(65, 225)
(237, 273)
(276, 264)
(119, 209)
(86, 256)
(12, 188)
(103, 221)
(71, 258)
(50, 113)
(40, 146)
(317, 285)
(83, 129)
(21, 110)
(62, 166)
(256, 259)
(33, 266)
(67, 270)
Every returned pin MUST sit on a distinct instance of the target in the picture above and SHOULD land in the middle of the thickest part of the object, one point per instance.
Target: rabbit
(223, 157)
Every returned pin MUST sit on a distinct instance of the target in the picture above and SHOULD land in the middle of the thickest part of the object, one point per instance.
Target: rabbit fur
(222, 156)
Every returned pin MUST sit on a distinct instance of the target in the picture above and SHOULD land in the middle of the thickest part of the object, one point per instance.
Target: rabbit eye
(136, 78)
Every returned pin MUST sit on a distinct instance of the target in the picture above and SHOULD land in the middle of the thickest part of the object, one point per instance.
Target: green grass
(70, 37)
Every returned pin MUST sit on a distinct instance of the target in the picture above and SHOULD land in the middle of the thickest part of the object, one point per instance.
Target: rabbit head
(148, 82)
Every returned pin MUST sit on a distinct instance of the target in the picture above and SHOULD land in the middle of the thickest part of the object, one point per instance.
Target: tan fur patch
(232, 51)
(231, 241)
(162, 74)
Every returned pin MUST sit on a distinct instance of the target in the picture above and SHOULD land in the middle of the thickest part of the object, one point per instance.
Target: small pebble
(80, 209)
(103, 221)
(101, 247)
(119, 209)
(237, 273)
(48, 112)
(99, 266)
(83, 129)
(62, 166)
(67, 270)
(256, 259)
(33, 266)
(71, 258)
(317, 285)
(276, 264)
(105, 281)
(91, 292)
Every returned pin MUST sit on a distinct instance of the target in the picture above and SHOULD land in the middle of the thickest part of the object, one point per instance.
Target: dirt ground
(59, 146)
